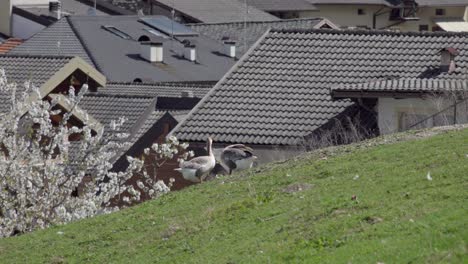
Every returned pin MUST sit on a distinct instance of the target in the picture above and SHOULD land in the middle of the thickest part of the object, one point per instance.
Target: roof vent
(55, 6)
(447, 59)
(143, 38)
(187, 94)
(230, 48)
(152, 51)
(190, 52)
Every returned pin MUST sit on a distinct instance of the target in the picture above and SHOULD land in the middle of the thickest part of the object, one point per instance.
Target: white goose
(196, 169)
(237, 157)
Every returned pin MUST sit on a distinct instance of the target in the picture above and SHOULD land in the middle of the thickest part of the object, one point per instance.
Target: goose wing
(236, 152)
(200, 164)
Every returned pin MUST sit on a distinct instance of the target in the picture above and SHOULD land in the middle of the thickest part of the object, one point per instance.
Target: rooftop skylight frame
(116, 31)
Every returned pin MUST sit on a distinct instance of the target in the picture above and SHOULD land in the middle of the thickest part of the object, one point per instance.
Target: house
(53, 76)
(206, 11)
(407, 103)
(403, 15)
(152, 110)
(245, 34)
(24, 18)
(277, 97)
(124, 48)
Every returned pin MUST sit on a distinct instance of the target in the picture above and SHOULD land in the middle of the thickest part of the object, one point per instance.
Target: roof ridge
(256, 22)
(129, 96)
(36, 56)
(184, 84)
(369, 32)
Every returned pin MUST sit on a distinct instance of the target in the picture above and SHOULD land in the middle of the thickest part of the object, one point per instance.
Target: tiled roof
(210, 11)
(20, 69)
(157, 89)
(39, 69)
(392, 2)
(236, 30)
(406, 85)
(356, 2)
(9, 44)
(119, 58)
(282, 5)
(57, 39)
(442, 2)
(279, 92)
(106, 108)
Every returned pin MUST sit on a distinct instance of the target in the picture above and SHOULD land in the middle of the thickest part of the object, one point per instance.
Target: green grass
(399, 216)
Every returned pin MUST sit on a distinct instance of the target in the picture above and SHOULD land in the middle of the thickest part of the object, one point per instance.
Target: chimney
(55, 6)
(152, 51)
(190, 52)
(230, 48)
(447, 59)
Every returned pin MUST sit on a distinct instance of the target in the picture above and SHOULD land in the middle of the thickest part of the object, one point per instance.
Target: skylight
(116, 32)
(168, 26)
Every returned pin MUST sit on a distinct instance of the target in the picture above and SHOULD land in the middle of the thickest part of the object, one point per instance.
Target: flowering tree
(53, 172)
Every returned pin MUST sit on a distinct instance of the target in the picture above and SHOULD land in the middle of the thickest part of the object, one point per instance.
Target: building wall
(5, 14)
(30, 2)
(24, 28)
(347, 15)
(392, 113)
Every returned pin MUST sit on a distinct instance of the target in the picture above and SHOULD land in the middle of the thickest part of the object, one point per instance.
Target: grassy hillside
(297, 211)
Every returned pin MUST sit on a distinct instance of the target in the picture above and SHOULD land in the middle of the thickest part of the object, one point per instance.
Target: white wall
(30, 2)
(390, 110)
(24, 28)
(347, 15)
(5, 14)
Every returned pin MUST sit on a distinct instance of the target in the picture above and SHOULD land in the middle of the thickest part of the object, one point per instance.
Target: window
(440, 12)
(361, 12)
(117, 32)
(423, 28)
(395, 14)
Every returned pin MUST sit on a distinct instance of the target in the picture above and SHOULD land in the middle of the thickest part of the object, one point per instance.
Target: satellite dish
(91, 11)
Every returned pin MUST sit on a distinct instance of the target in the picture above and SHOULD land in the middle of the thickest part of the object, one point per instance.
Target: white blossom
(45, 179)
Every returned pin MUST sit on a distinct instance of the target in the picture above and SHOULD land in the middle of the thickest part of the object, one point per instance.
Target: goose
(237, 157)
(196, 169)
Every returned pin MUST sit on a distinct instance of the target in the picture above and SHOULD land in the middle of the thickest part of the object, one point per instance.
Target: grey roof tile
(119, 59)
(106, 108)
(293, 99)
(57, 39)
(158, 89)
(407, 85)
(217, 10)
(20, 68)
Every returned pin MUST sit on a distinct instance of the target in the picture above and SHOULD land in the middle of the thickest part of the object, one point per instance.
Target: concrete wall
(30, 2)
(391, 111)
(5, 14)
(24, 28)
(347, 15)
